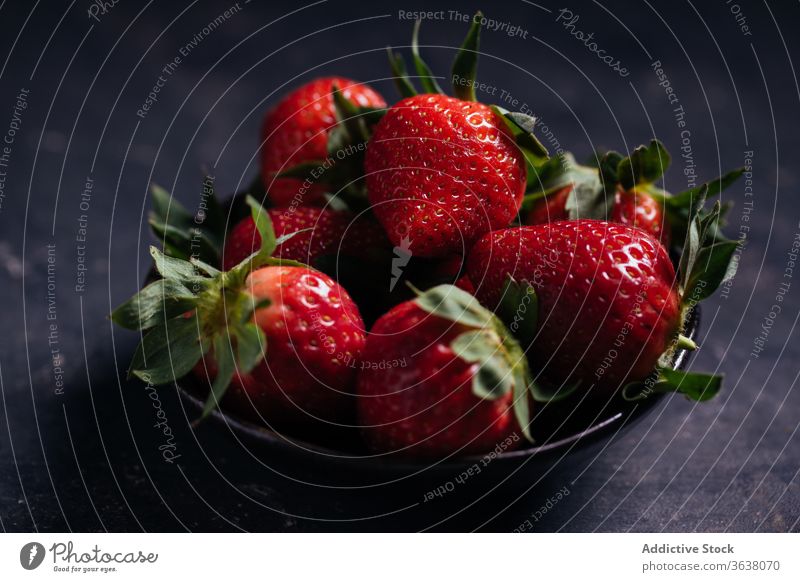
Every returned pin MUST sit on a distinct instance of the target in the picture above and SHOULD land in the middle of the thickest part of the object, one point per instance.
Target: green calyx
(705, 263)
(464, 71)
(464, 81)
(484, 340)
(195, 307)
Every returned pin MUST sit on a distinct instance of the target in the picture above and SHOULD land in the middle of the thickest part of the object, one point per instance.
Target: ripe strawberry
(454, 381)
(444, 172)
(592, 279)
(622, 190)
(639, 209)
(286, 336)
(325, 232)
(314, 334)
(603, 304)
(550, 208)
(630, 208)
(296, 131)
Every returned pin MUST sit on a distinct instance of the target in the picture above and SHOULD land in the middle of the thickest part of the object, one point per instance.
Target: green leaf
(305, 170)
(609, 166)
(714, 266)
(465, 65)
(519, 309)
(644, 166)
(159, 301)
(522, 409)
(251, 345)
(223, 355)
(545, 395)
(174, 268)
(521, 127)
(264, 227)
(588, 198)
(694, 385)
(186, 243)
(454, 304)
(205, 267)
(371, 115)
(549, 176)
(350, 121)
(713, 188)
(494, 377)
(693, 240)
(183, 234)
(401, 80)
(167, 210)
(426, 77)
(168, 351)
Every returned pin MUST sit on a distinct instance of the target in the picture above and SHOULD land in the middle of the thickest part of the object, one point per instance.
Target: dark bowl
(343, 461)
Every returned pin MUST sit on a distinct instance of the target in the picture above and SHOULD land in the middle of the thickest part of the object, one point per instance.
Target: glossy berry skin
(296, 131)
(314, 338)
(423, 406)
(551, 208)
(641, 210)
(443, 172)
(333, 232)
(631, 208)
(608, 304)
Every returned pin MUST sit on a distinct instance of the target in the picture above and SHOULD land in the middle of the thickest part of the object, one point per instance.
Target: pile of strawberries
(525, 278)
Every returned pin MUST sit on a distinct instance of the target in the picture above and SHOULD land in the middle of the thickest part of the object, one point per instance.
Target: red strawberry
(550, 208)
(641, 210)
(332, 232)
(314, 335)
(287, 337)
(451, 381)
(630, 208)
(296, 131)
(588, 276)
(444, 172)
(606, 304)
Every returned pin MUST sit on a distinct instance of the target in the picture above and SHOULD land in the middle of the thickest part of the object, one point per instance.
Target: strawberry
(453, 380)
(443, 170)
(440, 171)
(598, 302)
(314, 334)
(297, 131)
(285, 336)
(320, 232)
(621, 190)
(631, 208)
(640, 209)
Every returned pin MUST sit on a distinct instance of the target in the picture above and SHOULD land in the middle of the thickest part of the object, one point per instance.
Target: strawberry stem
(685, 343)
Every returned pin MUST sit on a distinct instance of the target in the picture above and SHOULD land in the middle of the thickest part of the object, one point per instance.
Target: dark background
(88, 459)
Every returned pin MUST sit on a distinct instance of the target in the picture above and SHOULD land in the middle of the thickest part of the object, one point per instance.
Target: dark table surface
(79, 449)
